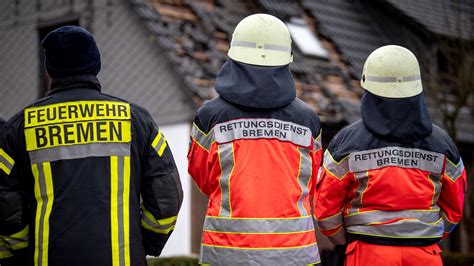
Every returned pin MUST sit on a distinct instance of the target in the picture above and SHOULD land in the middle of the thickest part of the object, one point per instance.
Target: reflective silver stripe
(400, 229)
(454, 171)
(392, 79)
(337, 169)
(436, 180)
(226, 160)
(244, 44)
(364, 218)
(79, 151)
(363, 181)
(396, 156)
(273, 47)
(204, 140)
(330, 222)
(304, 176)
(448, 226)
(317, 142)
(338, 238)
(215, 255)
(258, 128)
(257, 225)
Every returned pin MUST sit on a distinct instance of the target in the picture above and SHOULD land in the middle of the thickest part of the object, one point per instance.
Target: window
(305, 39)
(44, 79)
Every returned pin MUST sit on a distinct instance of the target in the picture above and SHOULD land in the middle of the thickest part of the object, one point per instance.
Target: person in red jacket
(255, 152)
(393, 183)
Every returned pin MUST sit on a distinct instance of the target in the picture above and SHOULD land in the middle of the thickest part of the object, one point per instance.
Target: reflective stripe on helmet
(392, 79)
(272, 47)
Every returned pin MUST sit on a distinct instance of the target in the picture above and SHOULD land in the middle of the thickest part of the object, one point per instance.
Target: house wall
(178, 138)
(133, 66)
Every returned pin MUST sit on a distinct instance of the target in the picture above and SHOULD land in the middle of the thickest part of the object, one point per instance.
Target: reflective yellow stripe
(44, 194)
(126, 209)
(5, 168)
(161, 226)
(113, 209)
(156, 230)
(120, 209)
(6, 156)
(39, 205)
(162, 149)
(157, 138)
(50, 194)
(6, 162)
(159, 143)
(5, 253)
(162, 222)
(16, 241)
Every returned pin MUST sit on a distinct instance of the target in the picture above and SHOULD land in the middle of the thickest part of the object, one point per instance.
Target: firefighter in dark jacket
(255, 152)
(86, 178)
(393, 183)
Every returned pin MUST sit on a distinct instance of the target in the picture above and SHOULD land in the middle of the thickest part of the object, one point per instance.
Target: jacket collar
(74, 82)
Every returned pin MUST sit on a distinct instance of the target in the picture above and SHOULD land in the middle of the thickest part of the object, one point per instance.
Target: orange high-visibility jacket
(389, 193)
(259, 169)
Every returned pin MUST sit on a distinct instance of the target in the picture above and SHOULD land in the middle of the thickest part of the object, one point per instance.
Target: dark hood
(255, 86)
(399, 120)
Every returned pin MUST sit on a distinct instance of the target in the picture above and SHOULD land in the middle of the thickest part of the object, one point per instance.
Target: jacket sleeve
(161, 190)
(15, 175)
(198, 156)
(451, 199)
(331, 193)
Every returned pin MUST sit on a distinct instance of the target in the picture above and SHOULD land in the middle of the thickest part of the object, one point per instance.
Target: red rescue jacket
(258, 167)
(385, 189)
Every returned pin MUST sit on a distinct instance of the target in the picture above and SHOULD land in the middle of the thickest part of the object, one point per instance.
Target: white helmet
(392, 71)
(262, 40)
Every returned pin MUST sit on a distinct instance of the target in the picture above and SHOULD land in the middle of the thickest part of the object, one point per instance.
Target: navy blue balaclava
(70, 51)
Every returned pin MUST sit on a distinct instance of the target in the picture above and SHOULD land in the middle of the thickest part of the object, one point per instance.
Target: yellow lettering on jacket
(73, 123)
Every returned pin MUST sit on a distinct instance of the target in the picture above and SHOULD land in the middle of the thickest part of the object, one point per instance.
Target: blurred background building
(165, 54)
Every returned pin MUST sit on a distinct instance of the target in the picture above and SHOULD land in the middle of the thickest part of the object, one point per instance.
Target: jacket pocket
(433, 249)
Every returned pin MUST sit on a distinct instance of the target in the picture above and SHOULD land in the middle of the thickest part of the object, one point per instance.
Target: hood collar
(74, 82)
(255, 86)
(399, 120)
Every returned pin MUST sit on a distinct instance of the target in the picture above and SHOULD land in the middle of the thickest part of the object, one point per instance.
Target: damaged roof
(195, 35)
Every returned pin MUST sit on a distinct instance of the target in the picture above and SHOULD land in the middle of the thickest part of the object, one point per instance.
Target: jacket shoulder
(441, 142)
(304, 108)
(348, 139)
(209, 112)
